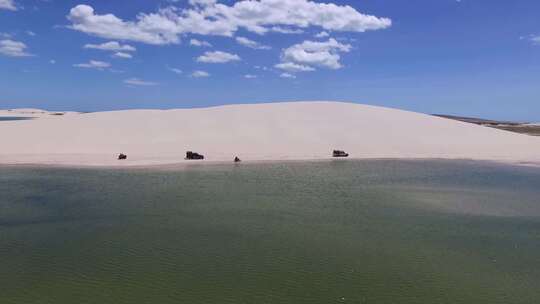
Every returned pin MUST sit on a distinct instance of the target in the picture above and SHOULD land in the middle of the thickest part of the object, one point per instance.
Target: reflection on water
(321, 232)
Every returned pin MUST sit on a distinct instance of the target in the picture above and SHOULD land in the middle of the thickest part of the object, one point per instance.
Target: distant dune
(274, 131)
(517, 127)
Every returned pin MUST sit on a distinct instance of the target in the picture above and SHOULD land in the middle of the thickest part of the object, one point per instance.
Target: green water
(323, 232)
(11, 118)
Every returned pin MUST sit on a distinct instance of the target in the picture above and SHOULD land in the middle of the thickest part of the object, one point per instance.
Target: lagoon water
(378, 231)
(13, 118)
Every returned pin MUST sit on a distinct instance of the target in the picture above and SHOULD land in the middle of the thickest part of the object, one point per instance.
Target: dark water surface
(322, 232)
(13, 118)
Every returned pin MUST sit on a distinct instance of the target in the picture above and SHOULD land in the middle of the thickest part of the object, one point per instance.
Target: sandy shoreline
(300, 131)
(209, 165)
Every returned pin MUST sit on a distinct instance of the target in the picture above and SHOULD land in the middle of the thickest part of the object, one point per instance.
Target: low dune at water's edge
(275, 131)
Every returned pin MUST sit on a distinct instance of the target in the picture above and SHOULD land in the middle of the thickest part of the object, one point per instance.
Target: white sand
(277, 131)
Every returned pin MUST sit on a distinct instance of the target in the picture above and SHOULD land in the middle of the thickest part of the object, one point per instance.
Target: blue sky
(468, 57)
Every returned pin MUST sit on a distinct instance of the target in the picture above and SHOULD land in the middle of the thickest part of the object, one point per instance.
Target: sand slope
(276, 131)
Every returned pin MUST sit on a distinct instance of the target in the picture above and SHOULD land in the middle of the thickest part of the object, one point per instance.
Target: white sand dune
(276, 131)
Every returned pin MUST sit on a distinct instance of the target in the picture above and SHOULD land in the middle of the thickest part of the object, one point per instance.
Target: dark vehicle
(122, 156)
(237, 160)
(339, 153)
(193, 156)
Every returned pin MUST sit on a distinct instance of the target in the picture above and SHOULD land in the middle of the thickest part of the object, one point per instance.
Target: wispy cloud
(139, 82)
(13, 48)
(294, 67)
(122, 55)
(111, 46)
(200, 43)
(200, 74)
(286, 30)
(287, 75)
(263, 68)
(93, 64)
(175, 70)
(8, 5)
(322, 34)
(251, 44)
(218, 57)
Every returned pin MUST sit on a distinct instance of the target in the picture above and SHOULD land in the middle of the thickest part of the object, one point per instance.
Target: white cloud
(13, 48)
(201, 2)
(313, 54)
(256, 16)
(93, 64)
(294, 67)
(287, 75)
(200, 43)
(251, 44)
(208, 17)
(535, 39)
(8, 5)
(200, 74)
(218, 57)
(139, 82)
(30, 33)
(111, 46)
(175, 70)
(149, 28)
(250, 76)
(122, 55)
(286, 30)
(258, 67)
(52, 61)
(322, 34)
